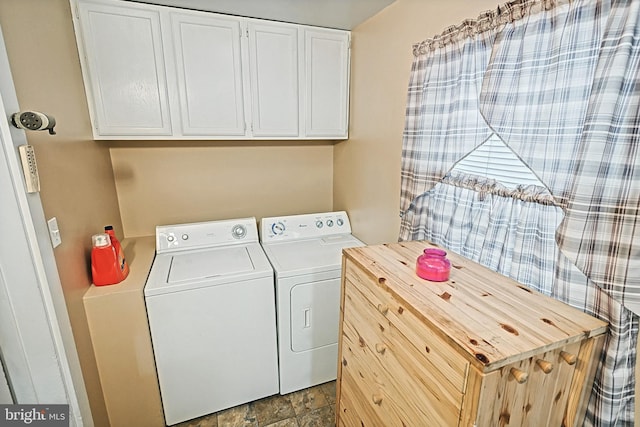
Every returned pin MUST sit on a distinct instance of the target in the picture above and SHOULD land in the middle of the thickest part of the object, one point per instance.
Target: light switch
(54, 232)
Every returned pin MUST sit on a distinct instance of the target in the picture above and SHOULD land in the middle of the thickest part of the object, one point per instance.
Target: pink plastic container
(433, 265)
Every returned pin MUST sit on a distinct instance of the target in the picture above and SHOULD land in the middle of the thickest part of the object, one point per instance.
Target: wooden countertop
(492, 318)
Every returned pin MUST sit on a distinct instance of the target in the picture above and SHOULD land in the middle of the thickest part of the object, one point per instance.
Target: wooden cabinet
(125, 70)
(477, 350)
(155, 72)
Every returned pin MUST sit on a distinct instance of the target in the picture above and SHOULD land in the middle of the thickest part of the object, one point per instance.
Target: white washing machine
(306, 254)
(211, 308)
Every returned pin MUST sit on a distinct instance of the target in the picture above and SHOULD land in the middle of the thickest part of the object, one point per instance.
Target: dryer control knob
(319, 224)
(277, 228)
(185, 237)
(170, 238)
(340, 222)
(329, 223)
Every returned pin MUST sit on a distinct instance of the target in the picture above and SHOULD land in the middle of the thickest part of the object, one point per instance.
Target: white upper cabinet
(209, 77)
(273, 68)
(155, 72)
(125, 69)
(326, 83)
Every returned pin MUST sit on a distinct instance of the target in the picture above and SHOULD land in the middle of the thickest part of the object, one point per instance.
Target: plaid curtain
(558, 85)
(443, 120)
(509, 231)
(612, 402)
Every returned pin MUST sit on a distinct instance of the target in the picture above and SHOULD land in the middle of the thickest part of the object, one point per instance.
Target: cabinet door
(126, 72)
(326, 83)
(209, 74)
(273, 61)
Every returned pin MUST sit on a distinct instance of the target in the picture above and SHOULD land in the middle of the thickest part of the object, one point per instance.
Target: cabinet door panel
(327, 83)
(209, 74)
(127, 82)
(273, 60)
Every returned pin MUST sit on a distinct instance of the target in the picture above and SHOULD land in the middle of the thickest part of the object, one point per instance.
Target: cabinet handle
(520, 376)
(381, 348)
(383, 308)
(568, 357)
(377, 398)
(545, 365)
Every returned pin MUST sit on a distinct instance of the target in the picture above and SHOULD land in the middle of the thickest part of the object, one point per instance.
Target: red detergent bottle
(105, 268)
(122, 261)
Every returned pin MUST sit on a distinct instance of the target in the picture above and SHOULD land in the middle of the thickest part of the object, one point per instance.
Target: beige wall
(367, 166)
(76, 177)
(169, 183)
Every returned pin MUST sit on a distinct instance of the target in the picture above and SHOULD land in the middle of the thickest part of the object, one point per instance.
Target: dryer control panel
(278, 229)
(199, 235)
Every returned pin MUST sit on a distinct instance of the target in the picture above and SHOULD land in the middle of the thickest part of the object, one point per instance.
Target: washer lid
(209, 263)
(184, 270)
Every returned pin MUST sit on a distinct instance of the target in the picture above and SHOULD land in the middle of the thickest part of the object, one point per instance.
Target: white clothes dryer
(306, 254)
(211, 309)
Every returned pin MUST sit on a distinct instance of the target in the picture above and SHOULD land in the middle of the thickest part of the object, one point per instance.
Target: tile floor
(311, 407)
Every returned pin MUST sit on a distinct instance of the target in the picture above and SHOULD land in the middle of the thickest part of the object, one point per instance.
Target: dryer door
(315, 314)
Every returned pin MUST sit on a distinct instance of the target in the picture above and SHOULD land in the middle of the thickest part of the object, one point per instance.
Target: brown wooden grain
(427, 392)
(484, 307)
(429, 343)
(584, 374)
(414, 352)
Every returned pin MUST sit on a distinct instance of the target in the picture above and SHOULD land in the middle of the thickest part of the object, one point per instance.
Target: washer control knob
(278, 228)
(319, 223)
(340, 222)
(329, 223)
(239, 231)
(170, 238)
(185, 237)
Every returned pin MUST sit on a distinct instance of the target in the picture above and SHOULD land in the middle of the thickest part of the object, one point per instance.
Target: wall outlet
(54, 232)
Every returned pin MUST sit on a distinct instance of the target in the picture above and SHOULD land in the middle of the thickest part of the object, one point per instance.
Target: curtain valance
(489, 20)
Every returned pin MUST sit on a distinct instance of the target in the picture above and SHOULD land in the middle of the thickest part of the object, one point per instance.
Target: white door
(208, 67)
(126, 70)
(36, 344)
(326, 83)
(273, 61)
(5, 392)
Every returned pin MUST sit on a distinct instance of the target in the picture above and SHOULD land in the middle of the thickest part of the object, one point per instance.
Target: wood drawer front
(395, 381)
(354, 410)
(451, 364)
(393, 351)
(540, 401)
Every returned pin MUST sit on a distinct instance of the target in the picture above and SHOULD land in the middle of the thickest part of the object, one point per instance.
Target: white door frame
(36, 342)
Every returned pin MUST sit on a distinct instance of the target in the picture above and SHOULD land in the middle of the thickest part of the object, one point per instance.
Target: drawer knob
(520, 376)
(383, 308)
(381, 348)
(568, 357)
(545, 365)
(377, 398)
